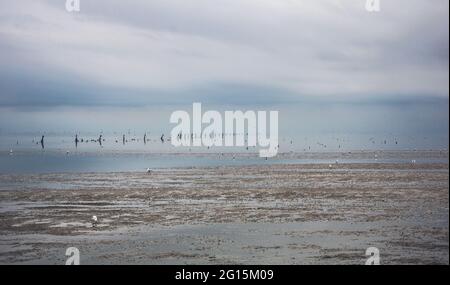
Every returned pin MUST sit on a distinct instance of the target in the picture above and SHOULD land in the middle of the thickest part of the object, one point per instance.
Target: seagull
(330, 166)
(149, 170)
(94, 221)
(10, 152)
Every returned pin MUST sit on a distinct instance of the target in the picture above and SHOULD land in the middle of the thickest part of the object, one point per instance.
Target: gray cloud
(168, 51)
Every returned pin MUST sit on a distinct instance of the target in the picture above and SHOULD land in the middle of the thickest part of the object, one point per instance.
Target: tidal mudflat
(244, 214)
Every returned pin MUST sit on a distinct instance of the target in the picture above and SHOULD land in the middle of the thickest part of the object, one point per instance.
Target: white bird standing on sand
(149, 170)
(10, 152)
(94, 221)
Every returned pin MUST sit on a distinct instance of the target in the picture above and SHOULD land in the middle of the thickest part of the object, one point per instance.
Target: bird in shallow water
(94, 221)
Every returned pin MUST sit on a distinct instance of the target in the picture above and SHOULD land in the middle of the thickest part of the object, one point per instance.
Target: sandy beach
(250, 214)
(231, 132)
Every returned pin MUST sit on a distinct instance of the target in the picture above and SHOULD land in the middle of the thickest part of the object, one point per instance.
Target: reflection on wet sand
(276, 214)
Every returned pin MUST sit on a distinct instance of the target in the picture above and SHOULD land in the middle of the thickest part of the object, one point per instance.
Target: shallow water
(274, 214)
(24, 153)
(323, 242)
(114, 161)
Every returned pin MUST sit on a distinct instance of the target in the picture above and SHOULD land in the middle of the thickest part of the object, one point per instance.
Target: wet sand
(271, 214)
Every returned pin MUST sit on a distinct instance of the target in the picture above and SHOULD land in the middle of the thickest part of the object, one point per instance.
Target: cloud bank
(232, 52)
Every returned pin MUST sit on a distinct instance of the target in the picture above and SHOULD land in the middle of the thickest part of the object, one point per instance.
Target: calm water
(24, 154)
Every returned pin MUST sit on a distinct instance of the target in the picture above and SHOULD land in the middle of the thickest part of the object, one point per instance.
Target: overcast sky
(169, 51)
(237, 52)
